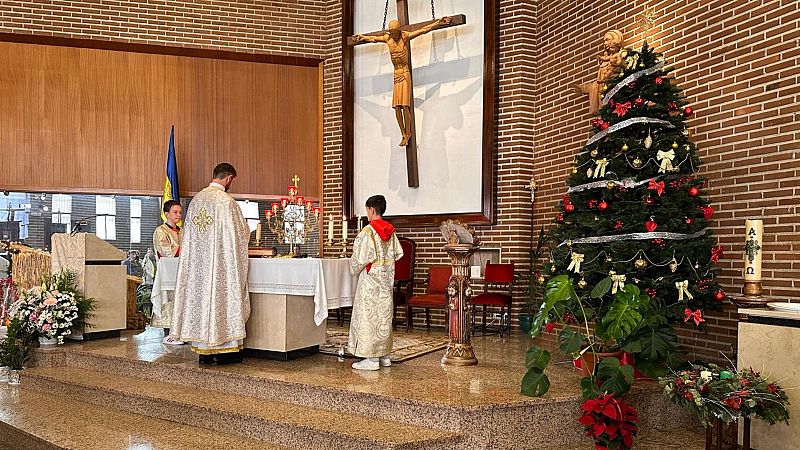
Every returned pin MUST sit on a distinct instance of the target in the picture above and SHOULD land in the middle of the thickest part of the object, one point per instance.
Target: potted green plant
(535, 282)
(16, 349)
(595, 328)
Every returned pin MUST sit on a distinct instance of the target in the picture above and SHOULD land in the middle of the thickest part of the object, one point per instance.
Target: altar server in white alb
(375, 251)
(212, 304)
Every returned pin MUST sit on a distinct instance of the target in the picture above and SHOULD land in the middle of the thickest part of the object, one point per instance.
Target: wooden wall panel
(95, 120)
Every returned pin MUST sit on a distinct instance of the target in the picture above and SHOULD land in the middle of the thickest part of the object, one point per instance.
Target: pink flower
(46, 327)
(50, 301)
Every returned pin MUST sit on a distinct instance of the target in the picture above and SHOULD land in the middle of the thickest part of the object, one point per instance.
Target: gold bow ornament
(575, 264)
(618, 283)
(666, 160)
(683, 289)
(600, 170)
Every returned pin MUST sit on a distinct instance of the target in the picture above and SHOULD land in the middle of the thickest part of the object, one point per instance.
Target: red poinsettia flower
(716, 253)
(735, 403)
(622, 108)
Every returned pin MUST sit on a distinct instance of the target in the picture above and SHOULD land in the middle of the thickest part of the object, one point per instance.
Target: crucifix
(398, 38)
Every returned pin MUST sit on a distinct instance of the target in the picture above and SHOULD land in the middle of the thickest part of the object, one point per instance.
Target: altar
(289, 301)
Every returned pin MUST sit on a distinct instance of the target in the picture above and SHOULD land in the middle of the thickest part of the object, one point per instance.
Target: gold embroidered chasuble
(166, 242)
(212, 304)
(371, 323)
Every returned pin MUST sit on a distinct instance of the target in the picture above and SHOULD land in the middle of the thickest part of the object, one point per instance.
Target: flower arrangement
(711, 392)
(610, 422)
(53, 309)
(16, 346)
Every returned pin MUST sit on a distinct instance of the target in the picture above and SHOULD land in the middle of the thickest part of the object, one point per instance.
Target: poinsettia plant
(610, 421)
(711, 392)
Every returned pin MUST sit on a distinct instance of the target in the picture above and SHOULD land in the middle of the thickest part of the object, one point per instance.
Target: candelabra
(292, 218)
(332, 245)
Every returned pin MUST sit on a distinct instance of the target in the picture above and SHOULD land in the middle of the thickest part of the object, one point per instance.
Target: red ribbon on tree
(657, 186)
(716, 253)
(696, 315)
(622, 108)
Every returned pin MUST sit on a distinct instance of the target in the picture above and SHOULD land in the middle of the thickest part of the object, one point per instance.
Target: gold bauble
(540, 280)
(637, 163)
(611, 185)
(582, 283)
(604, 87)
(574, 169)
(594, 153)
(675, 145)
(673, 265)
(640, 263)
(624, 147)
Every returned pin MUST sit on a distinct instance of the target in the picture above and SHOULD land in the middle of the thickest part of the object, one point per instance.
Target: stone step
(271, 421)
(32, 420)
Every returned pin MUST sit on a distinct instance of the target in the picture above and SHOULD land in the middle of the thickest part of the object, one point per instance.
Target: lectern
(101, 276)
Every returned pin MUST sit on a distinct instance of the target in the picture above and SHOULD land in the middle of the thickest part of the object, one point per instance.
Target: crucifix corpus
(398, 38)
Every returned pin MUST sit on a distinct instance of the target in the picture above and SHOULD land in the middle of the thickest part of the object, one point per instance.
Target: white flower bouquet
(49, 313)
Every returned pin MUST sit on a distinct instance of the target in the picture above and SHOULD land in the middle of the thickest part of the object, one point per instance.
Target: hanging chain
(385, 13)
(433, 35)
(433, 11)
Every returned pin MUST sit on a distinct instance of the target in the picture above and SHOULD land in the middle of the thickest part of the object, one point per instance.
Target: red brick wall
(739, 65)
(738, 62)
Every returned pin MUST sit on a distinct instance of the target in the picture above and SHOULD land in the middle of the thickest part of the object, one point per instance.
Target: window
(62, 210)
(14, 207)
(136, 221)
(106, 210)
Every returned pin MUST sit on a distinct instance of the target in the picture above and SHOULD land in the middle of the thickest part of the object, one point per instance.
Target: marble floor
(493, 382)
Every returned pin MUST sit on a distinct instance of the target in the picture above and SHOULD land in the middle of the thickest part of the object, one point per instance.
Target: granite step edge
(281, 424)
(29, 422)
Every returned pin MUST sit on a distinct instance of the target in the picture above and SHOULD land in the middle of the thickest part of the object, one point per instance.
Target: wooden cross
(402, 17)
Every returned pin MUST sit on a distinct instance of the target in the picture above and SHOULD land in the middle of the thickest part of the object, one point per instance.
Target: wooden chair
(404, 276)
(435, 296)
(498, 285)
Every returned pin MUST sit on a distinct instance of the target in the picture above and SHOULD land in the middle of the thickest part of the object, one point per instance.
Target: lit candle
(299, 200)
(284, 201)
(274, 208)
(358, 224)
(754, 234)
(316, 213)
(344, 228)
(258, 232)
(330, 227)
(268, 213)
(309, 204)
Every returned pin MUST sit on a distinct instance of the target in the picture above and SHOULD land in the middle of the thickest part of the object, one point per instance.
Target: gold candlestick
(332, 245)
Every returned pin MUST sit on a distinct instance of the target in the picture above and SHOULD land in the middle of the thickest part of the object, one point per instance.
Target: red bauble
(672, 106)
(693, 191)
(719, 295)
(602, 206)
(688, 111)
(649, 201)
(596, 122)
(604, 125)
(689, 221)
(659, 81)
(650, 225)
(559, 218)
(569, 207)
(639, 101)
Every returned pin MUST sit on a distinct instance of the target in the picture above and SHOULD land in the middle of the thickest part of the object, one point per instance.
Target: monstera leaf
(623, 315)
(652, 346)
(570, 341)
(537, 357)
(558, 289)
(535, 383)
(616, 378)
(602, 288)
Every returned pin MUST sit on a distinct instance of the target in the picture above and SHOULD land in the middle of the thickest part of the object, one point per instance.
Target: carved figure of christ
(397, 38)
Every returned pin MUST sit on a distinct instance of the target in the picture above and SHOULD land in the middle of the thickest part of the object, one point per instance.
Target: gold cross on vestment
(295, 180)
(202, 220)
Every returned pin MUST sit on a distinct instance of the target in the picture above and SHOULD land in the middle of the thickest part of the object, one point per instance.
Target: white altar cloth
(327, 280)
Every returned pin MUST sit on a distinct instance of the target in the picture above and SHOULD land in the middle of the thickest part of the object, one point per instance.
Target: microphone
(80, 223)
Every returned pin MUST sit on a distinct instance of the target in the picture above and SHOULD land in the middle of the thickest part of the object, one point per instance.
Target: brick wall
(738, 63)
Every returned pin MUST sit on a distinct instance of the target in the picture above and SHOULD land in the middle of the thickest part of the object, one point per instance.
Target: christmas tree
(632, 254)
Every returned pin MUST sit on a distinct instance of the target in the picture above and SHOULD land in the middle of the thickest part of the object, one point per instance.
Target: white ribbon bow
(619, 283)
(683, 289)
(666, 160)
(632, 61)
(600, 170)
(577, 259)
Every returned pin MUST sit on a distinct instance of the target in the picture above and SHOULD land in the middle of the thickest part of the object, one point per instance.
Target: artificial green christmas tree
(631, 250)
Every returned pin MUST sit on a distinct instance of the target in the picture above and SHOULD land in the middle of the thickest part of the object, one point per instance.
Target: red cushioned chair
(498, 284)
(404, 276)
(435, 296)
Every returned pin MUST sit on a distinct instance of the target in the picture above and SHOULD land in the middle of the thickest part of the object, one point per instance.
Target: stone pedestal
(459, 351)
(282, 327)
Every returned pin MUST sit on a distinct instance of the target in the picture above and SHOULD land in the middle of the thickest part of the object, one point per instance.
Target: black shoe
(228, 358)
(207, 359)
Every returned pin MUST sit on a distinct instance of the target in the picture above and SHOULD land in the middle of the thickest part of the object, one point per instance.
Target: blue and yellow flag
(171, 178)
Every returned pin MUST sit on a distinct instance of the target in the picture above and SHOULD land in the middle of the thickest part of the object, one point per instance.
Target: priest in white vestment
(212, 304)
(375, 251)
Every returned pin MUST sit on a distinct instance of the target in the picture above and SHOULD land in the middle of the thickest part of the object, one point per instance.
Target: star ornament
(647, 19)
